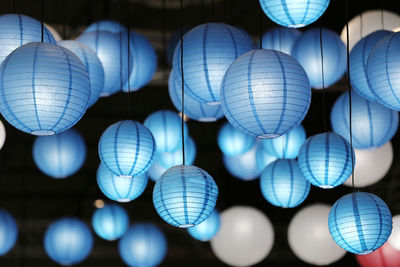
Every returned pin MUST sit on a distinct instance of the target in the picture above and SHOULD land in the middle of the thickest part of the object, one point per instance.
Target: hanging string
(183, 86)
(64, 30)
(323, 81)
(260, 33)
(382, 23)
(41, 20)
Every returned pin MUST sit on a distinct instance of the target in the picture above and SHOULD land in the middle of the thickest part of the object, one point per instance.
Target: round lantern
(309, 237)
(53, 31)
(143, 245)
(233, 142)
(206, 230)
(358, 64)
(2, 135)
(127, 148)
(17, 30)
(92, 64)
(208, 51)
(172, 43)
(394, 239)
(307, 51)
(189, 185)
(121, 189)
(60, 155)
(372, 124)
(110, 222)
(263, 158)
(156, 170)
(245, 236)
(106, 25)
(50, 95)
(326, 160)
(68, 241)
(280, 39)
(360, 222)
(265, 93)
(8, 232)
(385, 256)
(283, 185)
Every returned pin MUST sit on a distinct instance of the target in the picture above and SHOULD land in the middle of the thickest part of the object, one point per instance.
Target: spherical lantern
(92, 64)
(121, 189)
(60, 155)
(372, 124)
(280, 39)
(166, 127)
(206, 230)
(233, 142)
(245, 236)
(106, 25)
(8, 232)
(143, 245)
(50, 95)
(385, 256)
(170, 159)
(53, 31)
(110, 222)
(190, 186)
(360, 222)
(326, 70)
(265, 93)
(127, 148)
(244, 166)
(283, 185)
(155, 171)
(2, 135)
(68, 241)
(394, 239)
(208, 51)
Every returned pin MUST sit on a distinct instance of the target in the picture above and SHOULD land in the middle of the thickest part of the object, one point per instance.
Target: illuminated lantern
(110, 222)
(394, 239)
(2, 135)
(206, 230)
(233, 142)
(8, 232)
(280, 39)
(385, 256)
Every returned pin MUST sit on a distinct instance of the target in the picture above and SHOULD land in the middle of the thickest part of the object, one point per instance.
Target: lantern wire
(183, 83)
(41, 20)
(260, 26)
(382, 23)
(323, 81)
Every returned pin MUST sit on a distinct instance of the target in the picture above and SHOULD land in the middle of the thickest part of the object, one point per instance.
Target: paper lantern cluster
(110, 222)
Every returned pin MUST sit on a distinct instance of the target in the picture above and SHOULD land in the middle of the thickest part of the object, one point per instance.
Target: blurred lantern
(233, 142)
(8, 232)
(283, 185)
(326, 70)
(263, 158)
(156, 170)
(106, 25)
(110, 222)
(265, 93)
(209, 50)
(50, 95)
(92, 64)
(372, 124)
(60, 155)
(52, 30)
(121, 189)
(280, 39)
(385, 256)
(127, 148)
(326, 160)
(245, 236)
(206, 230)
(394, 239)
(172, 43)
(360, 222)
(68, 241)
(2, 135)
(143, 245)
(190, 186)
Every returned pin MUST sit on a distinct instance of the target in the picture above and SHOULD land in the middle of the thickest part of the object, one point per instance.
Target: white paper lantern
(54, 32)
(394, 239)
(2, 135)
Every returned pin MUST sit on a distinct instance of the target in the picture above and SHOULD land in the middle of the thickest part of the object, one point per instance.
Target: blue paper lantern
(358, 64)
(166, 127)
(265, 93)
(208, 51)
(283, 185)
(127, 148)
(206, 230)
(373, 125)
(233, 142)
(92, 64)
(286, 146)
(68, 241)
(185, 196)
(60, 155)
(106, 25)
(121, 189)
(17, 30)
(294, 13)
(280, 39)
(144, 245)
(326, 160)
(360, 222)
(307, 51)
(110, 222)
(8, 232)
(45, 88)
(263, 158)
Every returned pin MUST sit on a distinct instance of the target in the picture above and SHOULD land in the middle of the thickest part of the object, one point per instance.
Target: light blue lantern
(360, 222)
(60, 155)
(185, 196)
(263, 158)
(373, 125)
(233, 142)
(45, 89)
(307, 51)
(110, 222)
(92, 64)
(127, 148)
(208, 51)
(155, 171)
(286, 146)
(294, 13)
(8, 232)
(326, 160)
(170, 159)
(121, 189)
(106, 25)
(144, 245)
(68, 241)
(280, 39)
(265, 93)
(283, 185)
(206, 230)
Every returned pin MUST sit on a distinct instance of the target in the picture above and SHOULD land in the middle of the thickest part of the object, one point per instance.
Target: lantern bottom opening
(124, 200)
(125, 176)
(297, 25)
(268, 136)
(365, 252)
(326, 186)
(207, 119)
(215, 103)
(43, 132)
(186, 225)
